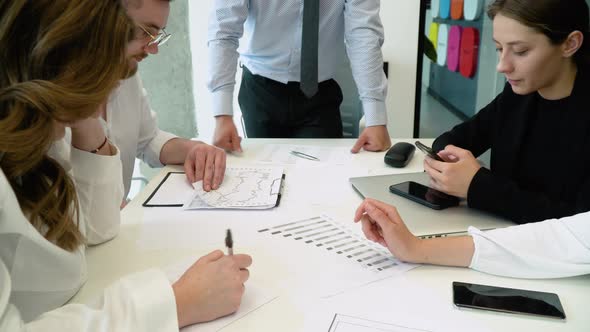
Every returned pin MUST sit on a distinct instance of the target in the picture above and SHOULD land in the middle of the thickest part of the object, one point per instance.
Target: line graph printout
(330, 257)
(242, 188)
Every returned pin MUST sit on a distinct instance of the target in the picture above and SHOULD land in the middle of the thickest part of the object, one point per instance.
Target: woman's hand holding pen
(382, 224)
(211, 288)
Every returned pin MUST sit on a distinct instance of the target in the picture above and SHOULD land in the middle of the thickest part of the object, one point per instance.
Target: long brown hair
(59, 60)
(556, 19)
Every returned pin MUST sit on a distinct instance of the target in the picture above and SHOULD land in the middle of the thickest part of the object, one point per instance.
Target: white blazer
(37, 277)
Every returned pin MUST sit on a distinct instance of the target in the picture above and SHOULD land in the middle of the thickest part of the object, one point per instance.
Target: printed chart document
(242, 188)
(336, 259)
(287, 154)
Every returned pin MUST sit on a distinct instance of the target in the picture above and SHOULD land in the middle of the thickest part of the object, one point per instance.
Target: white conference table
(420, 298)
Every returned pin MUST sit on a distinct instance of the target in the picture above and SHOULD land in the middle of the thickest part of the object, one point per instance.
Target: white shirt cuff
(375, 113)
(153, 298)
(474, 232)
(222, 102)
(155, 146)
(93, 168)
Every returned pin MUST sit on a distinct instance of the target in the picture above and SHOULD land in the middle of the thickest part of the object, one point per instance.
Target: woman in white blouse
(60, 61)
(548, 249)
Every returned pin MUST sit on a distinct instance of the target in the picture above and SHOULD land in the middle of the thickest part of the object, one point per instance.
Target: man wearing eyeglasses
(130, 122)
(290, 53)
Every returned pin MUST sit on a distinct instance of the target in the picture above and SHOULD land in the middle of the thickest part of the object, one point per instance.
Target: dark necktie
(309, 47)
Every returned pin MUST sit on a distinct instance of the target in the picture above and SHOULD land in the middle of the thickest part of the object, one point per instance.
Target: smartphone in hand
(428, 151)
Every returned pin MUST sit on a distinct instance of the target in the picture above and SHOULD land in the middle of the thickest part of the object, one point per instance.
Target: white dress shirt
(37, 277)
(132, 126)
(271, 47)
(550, 249)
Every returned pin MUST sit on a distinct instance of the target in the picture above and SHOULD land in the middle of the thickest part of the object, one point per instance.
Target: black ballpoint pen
(229, 243)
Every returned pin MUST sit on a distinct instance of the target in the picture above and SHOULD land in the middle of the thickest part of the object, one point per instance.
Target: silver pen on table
(304, 155)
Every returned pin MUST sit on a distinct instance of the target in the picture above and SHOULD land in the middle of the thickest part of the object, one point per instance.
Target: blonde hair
(60, 60)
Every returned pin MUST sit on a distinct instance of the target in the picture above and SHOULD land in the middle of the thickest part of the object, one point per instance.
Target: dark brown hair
(556, 19)
(60, 59)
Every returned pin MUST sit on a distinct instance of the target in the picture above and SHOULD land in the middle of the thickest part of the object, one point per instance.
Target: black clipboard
(147, 201)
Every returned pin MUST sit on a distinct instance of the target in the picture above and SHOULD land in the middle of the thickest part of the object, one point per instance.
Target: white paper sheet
(319, 193)
(242, 188)
(281, 154)
(257, 294)
(397, 304)
(176, 228)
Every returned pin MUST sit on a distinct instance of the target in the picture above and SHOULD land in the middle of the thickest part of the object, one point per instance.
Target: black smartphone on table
(424, 195)
(509, 300)
(428, 151)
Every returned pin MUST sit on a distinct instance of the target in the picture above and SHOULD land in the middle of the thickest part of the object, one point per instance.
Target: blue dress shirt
(271, 47)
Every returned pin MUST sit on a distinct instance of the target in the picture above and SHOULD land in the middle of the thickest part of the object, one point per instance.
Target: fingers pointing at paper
(205, 162)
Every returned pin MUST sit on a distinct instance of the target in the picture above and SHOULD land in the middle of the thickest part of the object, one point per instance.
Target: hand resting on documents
(205, 163)
(382, 223)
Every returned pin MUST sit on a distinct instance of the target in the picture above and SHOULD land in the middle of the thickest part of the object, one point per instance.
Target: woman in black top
(538, 128)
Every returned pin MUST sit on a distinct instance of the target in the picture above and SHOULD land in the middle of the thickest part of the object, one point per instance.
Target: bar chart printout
(342, 259)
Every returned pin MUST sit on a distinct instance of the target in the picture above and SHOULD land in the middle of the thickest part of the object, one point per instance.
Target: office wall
(400, 19)
(167, 76)
(198, 21)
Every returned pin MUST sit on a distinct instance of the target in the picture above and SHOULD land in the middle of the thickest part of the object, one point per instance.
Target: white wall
(401, 21)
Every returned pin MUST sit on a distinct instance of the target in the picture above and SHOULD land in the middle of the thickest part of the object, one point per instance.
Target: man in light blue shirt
(270, 97)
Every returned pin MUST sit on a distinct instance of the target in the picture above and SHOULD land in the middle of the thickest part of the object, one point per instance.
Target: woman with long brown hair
(59, 61)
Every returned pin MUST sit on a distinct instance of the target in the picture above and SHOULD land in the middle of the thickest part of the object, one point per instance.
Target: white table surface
(420, 298)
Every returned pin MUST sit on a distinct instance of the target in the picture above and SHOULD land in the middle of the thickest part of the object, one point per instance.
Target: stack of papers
(250, 188)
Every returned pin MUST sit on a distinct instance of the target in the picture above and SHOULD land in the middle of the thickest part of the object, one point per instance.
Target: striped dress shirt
(271, 47)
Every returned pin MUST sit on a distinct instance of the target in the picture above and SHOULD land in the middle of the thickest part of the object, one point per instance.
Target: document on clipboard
(247, 188)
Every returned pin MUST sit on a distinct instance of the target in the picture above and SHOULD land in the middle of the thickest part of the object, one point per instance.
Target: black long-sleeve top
(540, 154)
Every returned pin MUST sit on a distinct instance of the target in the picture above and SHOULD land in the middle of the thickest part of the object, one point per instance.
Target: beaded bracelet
(101, 146)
